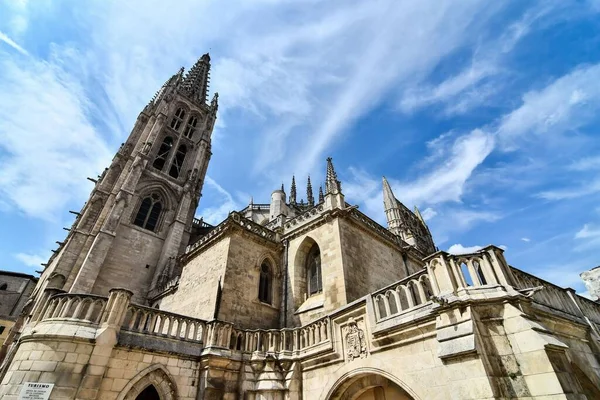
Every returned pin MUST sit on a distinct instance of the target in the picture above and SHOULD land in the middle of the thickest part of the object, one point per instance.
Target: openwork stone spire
(321, 197)
(418, 214)
(171, 82)
(332, 185)
(195, 83)
(293, 191)
(310, 198)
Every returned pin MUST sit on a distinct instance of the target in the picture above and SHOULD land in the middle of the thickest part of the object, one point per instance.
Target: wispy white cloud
(428, 213)
(525, 239)
(460, 249)
(479, 80)
(4, 38)
(447, 180)
(48, 143)
(571, 192)
(569, 102)
(31, 260)
(226, 203)
(586, 164)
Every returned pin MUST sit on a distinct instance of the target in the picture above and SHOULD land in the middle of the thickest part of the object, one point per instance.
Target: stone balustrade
(550, 295)
(133, 319)
(402, 296)
(150, 321)
(77, 307)
(288, 341)
(460, 274)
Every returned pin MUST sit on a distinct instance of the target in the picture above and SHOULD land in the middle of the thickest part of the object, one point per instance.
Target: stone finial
(282, 188)
(309, 193)
(321, 196)
(418, 214)
(195, 83)
(293, 191)
(214, 103)
(332, 184)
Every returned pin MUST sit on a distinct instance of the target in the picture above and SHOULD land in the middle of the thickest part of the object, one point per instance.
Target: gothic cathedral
(292, 299)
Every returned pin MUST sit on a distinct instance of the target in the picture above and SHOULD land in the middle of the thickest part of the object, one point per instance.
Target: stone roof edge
(233, 220)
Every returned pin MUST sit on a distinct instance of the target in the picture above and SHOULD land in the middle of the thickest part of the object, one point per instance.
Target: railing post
(116, 308)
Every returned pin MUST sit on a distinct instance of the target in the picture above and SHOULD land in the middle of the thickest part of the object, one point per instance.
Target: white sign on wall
(35, 391)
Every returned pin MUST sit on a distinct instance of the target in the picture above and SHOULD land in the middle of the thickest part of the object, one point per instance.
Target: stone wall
(196, 294)
(369, 262)
(302, 309)
(17, 292)
(125, 265)
(239, 301)
(77, 372)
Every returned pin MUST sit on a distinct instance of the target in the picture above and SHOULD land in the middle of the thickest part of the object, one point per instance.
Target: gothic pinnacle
(332, 185)
(195, 83)
(309, 193)
(321, 197)
(293, 191)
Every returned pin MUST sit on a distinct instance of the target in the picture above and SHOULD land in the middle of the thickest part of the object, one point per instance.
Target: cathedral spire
(332, 185)
(389, 201)
(310, 198)
(410, 226)
(195, 83)
(171, 82)
(293, 191)
(321, 197)
(418, 214)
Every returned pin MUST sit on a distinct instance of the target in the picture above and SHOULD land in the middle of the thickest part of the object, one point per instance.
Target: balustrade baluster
(79, 307)
(134, 315)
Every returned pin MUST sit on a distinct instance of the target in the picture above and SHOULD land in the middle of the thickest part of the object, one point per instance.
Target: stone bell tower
(139, 216)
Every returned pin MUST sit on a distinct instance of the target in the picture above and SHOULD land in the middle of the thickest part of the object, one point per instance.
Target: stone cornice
(234, 221)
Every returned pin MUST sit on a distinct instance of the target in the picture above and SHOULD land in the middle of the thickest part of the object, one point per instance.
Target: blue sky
(483, 114)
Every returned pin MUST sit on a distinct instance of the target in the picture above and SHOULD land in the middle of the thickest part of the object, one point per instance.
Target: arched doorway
(153, 383)
(149, 393)
(369, 386)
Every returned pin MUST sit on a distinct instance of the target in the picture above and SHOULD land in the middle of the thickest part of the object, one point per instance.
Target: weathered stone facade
(287, 300)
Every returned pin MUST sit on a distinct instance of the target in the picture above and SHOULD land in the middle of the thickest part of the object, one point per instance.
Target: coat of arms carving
(356, 345)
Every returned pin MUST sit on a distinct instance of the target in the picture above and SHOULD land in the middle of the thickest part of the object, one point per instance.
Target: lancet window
(178, 119)
(163, 153)
(191, 126)
(175, 169)
(313, 271)
(149, 212)
(265, 286)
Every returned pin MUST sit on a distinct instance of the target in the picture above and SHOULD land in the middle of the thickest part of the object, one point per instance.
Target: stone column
(106, 339)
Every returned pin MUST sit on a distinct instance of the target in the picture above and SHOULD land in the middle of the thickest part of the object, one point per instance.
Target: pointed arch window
(149, 212)
(175, 169)
(163, 153)
(313, 271)
(178, 119)
(191, 126)
(265, 285)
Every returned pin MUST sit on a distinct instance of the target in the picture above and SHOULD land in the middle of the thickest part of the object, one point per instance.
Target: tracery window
(163, 153)
(313, 271)
(178, 119)
(265, 283)
(191, 126)
(178, 161)
(149, 212)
